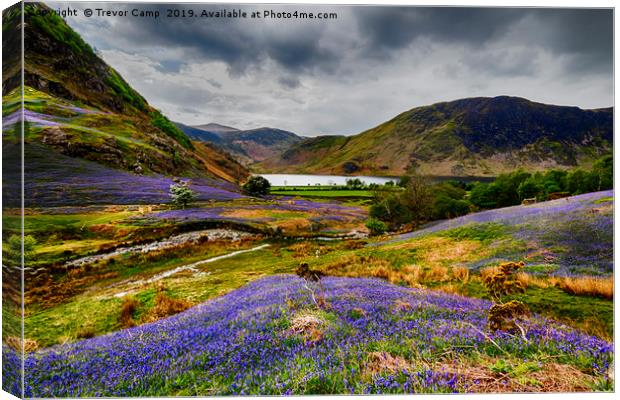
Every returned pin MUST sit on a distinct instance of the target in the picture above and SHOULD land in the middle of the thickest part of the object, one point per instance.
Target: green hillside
(79, 106)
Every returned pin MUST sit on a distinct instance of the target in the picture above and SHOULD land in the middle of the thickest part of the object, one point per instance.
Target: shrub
(500, 282)
(376, 227)
(257, 186)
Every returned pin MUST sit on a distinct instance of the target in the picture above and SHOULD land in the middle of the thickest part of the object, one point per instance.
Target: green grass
(324, 193)
(481, 232)
(603, 200)
(65, 321)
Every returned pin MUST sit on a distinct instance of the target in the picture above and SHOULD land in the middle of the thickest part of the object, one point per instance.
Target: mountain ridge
(477, 136)
(247, 146)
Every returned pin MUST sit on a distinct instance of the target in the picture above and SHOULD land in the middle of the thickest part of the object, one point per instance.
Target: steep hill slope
(79, 106)
(248, 146)
(475, 136)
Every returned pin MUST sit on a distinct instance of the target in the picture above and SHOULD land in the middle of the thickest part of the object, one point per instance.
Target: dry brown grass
(48, 293)
(293, 224)
(130, 306)
(436, 274)
(440, 251)
(15, 343)
(412, 275)
(353, 244)
(586, 286)
(307, 249)
(380, 361)
(487, 272)
(85, 332)
(165, 306)
(478, 377)
(528, 280)
(578, 286)
(309, 326)
(246, 213)
(461, 274)
(450, 288)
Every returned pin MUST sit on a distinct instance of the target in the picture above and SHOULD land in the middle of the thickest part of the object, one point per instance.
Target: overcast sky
(346, 75)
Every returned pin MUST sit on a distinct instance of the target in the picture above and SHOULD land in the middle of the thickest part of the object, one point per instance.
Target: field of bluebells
(246, 343)
(54, 180)
(327, 211)
(576, 233)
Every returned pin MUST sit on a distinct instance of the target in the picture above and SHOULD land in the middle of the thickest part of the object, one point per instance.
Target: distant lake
(323, 180)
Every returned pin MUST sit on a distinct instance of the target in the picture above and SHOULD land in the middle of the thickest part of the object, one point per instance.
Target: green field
(322, 191)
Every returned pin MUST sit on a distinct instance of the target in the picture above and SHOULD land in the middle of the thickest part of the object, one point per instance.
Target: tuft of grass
(86, 332)
(586, 286)
(165, 306)
(129, 308)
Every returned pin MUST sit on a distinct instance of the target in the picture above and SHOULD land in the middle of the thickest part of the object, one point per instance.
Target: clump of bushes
(420, 200)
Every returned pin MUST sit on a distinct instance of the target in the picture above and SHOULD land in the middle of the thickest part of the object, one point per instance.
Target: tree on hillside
(530, 188)
(181, 194)
(257, 186)
(388, 207)
(603, 169)
(418, 198)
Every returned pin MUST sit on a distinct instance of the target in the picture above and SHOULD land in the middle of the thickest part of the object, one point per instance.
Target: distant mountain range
(479, 136)
(247, 146)
(79, 106)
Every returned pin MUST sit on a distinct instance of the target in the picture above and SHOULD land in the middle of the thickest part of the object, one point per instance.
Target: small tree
(418, 198)
(501, 283)
(14, 249)
(376, 227)
(257, 186)
(181, 194)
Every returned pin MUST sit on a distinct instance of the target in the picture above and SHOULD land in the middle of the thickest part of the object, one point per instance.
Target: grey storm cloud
(329, 73)
(584, 35)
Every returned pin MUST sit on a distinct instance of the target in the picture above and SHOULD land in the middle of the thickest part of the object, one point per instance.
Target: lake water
(323, 180)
